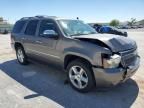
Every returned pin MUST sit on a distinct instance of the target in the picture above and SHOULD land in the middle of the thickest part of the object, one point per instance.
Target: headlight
(112, 61)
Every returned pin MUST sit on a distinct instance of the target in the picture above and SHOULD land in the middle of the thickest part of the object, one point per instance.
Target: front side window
(47, 25)
(76, 27)
(31, 27)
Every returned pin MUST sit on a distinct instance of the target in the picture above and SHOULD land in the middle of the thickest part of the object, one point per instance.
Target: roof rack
(44, 16)
(38, 16)
(26, 18)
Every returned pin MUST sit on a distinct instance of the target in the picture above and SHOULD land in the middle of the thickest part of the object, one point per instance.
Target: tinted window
(47, 25)
(31, 27)
(19, 26)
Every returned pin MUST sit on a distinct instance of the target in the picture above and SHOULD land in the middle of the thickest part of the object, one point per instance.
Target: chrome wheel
(20, 55)
(78, 77)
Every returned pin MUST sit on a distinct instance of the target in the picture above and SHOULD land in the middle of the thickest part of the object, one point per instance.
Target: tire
(83, 81)
(21, 56)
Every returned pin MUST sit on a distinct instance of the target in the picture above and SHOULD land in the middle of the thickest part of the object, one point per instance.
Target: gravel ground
(42, 85)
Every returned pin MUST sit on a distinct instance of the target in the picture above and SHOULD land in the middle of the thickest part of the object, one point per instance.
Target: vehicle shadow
(48, 81)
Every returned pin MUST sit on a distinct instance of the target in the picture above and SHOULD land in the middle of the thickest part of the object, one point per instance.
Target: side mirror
(49, 34)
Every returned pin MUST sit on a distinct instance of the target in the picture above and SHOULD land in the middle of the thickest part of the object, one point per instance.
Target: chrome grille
(128, 57)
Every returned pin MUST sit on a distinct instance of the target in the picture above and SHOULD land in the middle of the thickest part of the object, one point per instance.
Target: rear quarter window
(18, 26)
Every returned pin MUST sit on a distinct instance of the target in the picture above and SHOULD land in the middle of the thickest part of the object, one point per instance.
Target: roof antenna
(77, 18)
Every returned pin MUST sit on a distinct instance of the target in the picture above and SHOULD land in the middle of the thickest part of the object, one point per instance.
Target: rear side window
(19, 26)
(31, 27)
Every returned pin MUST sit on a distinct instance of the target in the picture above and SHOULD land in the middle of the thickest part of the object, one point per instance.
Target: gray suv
(89, 58)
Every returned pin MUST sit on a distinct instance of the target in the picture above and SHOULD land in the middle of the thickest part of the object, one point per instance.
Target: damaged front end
(118, 66)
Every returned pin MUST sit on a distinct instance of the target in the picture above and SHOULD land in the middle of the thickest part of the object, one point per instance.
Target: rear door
(30, 38)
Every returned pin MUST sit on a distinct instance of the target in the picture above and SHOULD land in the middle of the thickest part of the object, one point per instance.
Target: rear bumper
(113, 76)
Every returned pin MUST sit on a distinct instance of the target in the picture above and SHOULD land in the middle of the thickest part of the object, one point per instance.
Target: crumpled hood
(114, 42)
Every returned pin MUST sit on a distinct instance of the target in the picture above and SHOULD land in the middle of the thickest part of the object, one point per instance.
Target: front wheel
(80, 75)
(21, 56)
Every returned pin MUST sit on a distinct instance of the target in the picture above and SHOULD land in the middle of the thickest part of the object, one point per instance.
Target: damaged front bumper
(114, 76)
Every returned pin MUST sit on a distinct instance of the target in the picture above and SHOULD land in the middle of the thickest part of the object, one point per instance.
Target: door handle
(39, 42)
(23, 38)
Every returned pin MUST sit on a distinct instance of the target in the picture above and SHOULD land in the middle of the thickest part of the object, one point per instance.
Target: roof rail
(38, 16)
(26, 18)
(44, 16)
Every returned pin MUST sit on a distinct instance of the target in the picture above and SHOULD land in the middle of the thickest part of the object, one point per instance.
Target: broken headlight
(111, 61)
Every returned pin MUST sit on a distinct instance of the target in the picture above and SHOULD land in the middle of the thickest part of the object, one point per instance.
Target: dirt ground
(42, 86)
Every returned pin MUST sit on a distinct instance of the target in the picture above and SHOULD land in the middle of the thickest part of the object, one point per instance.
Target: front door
(47, 43)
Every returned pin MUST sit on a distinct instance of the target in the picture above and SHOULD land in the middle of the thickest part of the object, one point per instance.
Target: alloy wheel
(78, 77)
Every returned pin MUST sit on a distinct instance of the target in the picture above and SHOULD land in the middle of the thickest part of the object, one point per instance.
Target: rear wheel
(21, 56)
(80, 75)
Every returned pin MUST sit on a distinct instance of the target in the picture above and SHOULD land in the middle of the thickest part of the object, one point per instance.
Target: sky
(87, 10)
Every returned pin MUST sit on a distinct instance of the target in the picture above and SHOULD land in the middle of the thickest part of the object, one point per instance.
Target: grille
(128, 57)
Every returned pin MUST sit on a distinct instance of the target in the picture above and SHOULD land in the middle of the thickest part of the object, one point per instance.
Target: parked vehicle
(125, 27)
(110, 30)
(4, 31)
(140, 26)
(97, 27)
(90, 59)
(113, 30)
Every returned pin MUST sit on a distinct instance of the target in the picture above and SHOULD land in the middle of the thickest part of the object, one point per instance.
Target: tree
(114, 22)
(1, 19)
(132, 21)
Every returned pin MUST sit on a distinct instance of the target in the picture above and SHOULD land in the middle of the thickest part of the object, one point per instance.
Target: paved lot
(42, 86)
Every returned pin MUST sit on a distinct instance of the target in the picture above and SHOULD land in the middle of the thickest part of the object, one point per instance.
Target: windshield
(76, 27)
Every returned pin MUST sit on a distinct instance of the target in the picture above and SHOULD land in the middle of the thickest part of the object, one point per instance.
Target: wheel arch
(70, 57)
(18, 44)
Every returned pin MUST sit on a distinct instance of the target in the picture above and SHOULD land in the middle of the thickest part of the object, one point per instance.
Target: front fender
(93, 57)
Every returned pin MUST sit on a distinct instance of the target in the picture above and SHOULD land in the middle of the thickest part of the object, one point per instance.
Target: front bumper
(113, 76)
